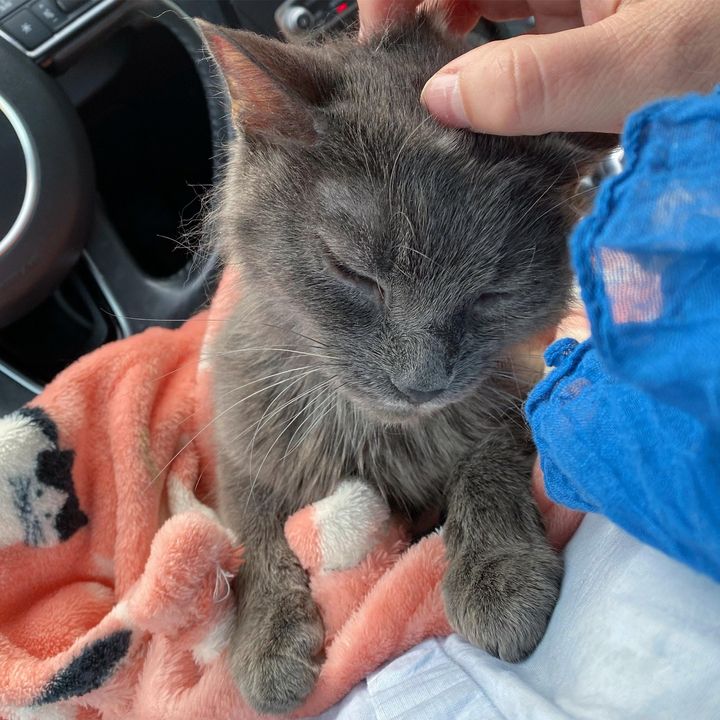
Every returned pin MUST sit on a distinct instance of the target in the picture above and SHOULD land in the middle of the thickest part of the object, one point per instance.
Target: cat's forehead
(419, 239)
(406, 163)
(429, 198)
(347, 197)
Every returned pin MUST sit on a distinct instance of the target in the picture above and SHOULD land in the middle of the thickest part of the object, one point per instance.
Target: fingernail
(441, 96)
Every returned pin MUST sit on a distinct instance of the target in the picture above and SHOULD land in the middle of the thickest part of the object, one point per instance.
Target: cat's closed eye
(366, 283)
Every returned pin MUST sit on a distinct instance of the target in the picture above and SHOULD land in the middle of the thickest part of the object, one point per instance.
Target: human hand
(591, 63)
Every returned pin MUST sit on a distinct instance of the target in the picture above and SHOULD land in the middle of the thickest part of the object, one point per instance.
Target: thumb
(584, 79)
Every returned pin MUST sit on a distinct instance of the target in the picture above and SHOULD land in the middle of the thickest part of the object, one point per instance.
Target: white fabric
(349, 522)
(635, 636)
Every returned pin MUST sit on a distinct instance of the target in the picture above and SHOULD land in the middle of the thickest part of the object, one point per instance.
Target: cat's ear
(588, 149)
(275, 88)
(585, 153)
(568, 156)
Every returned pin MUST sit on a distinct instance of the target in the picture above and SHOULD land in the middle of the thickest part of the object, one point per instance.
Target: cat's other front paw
(275, 652)
(501, 600)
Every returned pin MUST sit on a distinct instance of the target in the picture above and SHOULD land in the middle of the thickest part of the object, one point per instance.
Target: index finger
(376, 15)
(462, 15)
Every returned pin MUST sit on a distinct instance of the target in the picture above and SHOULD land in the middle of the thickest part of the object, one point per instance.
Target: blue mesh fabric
(628, 424)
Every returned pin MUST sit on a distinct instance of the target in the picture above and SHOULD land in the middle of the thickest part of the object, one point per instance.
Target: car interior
(112, 131)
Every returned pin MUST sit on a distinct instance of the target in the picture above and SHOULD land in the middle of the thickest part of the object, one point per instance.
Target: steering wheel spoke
(136, 299)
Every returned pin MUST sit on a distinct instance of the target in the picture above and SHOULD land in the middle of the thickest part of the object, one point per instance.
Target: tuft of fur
(465, 237)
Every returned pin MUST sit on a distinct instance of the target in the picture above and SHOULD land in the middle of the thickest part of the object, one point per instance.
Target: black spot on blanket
(54, 469)
(41, 420)
(89, 670)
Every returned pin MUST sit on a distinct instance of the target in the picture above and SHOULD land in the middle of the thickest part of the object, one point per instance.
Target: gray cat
(389, 267)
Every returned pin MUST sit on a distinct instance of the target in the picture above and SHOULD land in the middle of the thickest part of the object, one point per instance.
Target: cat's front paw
(275, 652)
(501, 600)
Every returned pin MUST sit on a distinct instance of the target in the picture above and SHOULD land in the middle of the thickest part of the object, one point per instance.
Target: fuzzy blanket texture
(115, 570)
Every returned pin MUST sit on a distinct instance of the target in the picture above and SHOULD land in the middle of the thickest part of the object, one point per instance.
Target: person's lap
(635, 635)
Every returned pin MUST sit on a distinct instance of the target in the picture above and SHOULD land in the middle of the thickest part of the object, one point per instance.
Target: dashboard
(38, 26)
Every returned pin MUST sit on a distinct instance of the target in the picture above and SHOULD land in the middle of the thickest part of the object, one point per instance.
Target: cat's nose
(424, 366)
(418, 396)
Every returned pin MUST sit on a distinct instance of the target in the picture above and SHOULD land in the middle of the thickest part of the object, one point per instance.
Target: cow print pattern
(38, 503)
(89, 670)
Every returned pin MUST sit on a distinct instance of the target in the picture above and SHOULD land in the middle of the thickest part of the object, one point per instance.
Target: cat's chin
(392, 411)
(399, 413)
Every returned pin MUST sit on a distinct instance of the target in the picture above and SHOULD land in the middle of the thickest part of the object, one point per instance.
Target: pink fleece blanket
(115, 571)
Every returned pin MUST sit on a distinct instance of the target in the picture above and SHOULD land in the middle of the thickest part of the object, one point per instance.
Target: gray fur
(465, 236)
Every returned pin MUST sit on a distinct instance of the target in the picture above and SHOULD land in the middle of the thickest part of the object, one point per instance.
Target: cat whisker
(504, 392)
(211, 422)
(564, 201)
(246, 430)
(514, 375)
(294, 332)
(315, 388)
(117, 316)
(273, 349)
(314, 425)
(200, 318)
(518, 222)
(306, 434)
(262, 422)
(417, 252)
(205, 354)
(503, 416)
(267, 454)
(313, 368)
(500, 375)
(281, 328)
(317, 404)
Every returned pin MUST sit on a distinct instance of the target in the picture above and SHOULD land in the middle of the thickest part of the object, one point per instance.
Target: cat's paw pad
(501, 601)
(276, 658)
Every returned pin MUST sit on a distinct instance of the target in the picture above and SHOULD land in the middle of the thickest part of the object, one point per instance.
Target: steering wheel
(49, 216)
(47, 199)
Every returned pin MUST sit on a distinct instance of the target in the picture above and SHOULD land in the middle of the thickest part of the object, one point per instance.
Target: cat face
(414, 256)
(415, 285)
